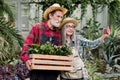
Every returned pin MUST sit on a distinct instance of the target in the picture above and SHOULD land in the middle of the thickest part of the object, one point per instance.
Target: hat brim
(50, 9)
(68, 20)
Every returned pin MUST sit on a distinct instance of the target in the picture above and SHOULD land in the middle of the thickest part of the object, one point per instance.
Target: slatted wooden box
(51, 62)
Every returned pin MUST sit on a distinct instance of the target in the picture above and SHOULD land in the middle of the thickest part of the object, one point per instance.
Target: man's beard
(55, 23)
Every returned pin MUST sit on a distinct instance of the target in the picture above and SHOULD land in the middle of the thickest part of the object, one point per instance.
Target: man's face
(56, 18)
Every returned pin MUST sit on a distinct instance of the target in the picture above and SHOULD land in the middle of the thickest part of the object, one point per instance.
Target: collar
(71, 43)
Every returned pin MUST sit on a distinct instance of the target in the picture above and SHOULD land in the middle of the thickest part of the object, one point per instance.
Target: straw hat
(53, 8)
(68, 20)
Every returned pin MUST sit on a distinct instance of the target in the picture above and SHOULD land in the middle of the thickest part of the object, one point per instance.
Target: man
(40, 34)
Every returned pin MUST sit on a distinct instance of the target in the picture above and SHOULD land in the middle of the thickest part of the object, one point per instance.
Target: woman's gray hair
(63, 32)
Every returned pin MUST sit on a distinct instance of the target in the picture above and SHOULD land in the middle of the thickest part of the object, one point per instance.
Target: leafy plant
(5, 8)
(50, 49)
(93, 73)
(10, 41)
(114, 11)
(111, 47)
(9, 72)
(91, 30)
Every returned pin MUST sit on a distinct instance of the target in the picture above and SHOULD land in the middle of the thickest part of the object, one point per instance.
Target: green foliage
(114, 11)
(5, 8)
(92, 70)
(111, 47)
(91, 30)
(71, 5)
(50, 49)
(10, 41)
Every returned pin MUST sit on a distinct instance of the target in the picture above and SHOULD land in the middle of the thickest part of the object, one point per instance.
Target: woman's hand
(106, 33)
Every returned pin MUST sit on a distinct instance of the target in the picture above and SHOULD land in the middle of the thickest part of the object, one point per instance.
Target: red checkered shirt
(39, 34)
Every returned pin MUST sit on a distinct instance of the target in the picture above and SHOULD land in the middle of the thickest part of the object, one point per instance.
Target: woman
(77, 43)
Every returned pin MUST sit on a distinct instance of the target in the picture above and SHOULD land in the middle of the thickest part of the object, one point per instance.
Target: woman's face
(70, 28)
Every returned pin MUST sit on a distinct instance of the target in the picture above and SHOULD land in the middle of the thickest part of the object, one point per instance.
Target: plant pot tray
(51, 62)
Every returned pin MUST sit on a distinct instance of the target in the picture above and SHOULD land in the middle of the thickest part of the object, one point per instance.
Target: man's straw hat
(68, 20)
(54, 7)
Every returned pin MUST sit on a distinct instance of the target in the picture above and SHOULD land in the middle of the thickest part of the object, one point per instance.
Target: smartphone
(105, 30)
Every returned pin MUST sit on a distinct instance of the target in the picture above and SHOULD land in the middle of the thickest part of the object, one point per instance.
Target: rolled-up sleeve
(24, 56)
(81, 41)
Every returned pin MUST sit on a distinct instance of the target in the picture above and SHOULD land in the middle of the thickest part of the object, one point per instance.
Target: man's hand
(28, 64)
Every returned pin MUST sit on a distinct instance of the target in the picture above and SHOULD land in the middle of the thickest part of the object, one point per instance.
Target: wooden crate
(51, 62)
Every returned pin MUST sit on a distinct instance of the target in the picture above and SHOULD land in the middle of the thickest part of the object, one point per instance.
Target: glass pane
(24, 17)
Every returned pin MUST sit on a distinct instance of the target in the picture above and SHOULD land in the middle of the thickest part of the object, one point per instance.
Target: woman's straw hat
(54, 7)
(68, 20)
